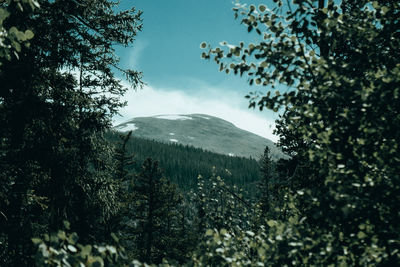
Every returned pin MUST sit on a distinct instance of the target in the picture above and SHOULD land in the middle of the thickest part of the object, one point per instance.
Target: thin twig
(236, 196)
(5, 217)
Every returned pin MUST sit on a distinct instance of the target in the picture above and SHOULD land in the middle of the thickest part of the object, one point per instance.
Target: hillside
(182, 164)
(201, 131)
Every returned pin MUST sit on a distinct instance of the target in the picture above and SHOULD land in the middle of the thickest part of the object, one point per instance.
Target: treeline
(155, 223)
(182, 164)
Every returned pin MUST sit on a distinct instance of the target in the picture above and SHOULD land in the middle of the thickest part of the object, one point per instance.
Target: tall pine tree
(57, 97)
(155, 221)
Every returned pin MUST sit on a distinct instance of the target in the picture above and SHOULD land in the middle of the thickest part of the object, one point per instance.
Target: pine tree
(155, 223)
(123, 158)
(277, 181)
(57, 97)
(265, 185)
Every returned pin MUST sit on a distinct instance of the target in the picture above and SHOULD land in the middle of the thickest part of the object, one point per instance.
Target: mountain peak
(200, 130)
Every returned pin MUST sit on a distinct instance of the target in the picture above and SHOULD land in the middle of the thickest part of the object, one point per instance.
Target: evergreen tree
(123, 176)
(155, 222)
(275, 185)
(57, 97)
(123, 158)
(266, 182)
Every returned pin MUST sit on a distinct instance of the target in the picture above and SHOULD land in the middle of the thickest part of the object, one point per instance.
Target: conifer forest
(76, 192)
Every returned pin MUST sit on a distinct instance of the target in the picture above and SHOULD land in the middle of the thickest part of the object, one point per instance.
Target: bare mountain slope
(203, 131)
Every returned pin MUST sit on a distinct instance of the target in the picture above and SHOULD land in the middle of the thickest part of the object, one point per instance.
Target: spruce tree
(57, 97)
(154, 225)
(123, 158)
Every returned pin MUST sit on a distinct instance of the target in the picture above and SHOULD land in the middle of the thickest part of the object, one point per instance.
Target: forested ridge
(182, 164)
(71, 197)
(204, 131)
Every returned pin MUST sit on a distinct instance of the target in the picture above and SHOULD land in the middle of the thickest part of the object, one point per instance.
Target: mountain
(182, 164)
(201, 131)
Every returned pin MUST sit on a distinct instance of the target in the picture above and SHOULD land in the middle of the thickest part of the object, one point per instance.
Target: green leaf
(361, 235)
(86, 251)
(72, 248)
(17, 46)
(67, 225)
(73, 238)
(375, 4)
(209, 232)
(29, 34)
(114, 237)
(20, 7)
(34, 4)
(62, 235)
(36, 241)
(3, 14)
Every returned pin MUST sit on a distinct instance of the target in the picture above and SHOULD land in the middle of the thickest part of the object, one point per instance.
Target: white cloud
(132, 59)
(225, 104)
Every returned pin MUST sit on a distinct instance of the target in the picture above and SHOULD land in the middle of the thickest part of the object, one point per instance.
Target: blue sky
(180, 82)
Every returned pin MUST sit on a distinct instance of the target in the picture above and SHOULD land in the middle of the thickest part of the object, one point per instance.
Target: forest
(183, 163)
(75, 193)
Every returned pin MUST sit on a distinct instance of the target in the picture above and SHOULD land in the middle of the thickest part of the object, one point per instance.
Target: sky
(178, 80)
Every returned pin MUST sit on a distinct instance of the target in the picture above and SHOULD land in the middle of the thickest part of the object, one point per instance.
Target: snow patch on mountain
(173, 140)
(174, 117)
(171, 134)
(203, 117)
(127, 127)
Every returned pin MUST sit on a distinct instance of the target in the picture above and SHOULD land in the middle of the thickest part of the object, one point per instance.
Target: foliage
(182, 164)
(221, 213)
(339, 64)
(63, 249)
(11, 38)
(123, 158)
(220, 206)
(334, 202)
(153, 225)
(273, 187)
(56, 100)
(267, 181)
(223, 248)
